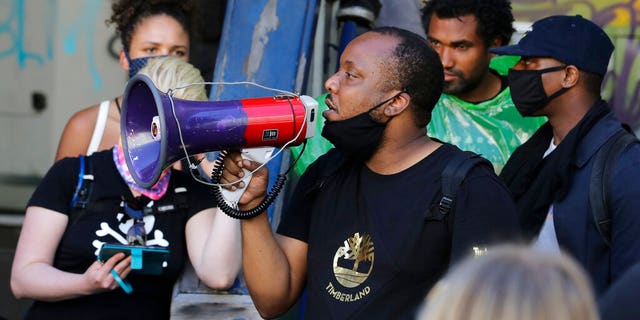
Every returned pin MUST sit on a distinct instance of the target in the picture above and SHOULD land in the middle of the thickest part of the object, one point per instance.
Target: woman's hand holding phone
(99, 278)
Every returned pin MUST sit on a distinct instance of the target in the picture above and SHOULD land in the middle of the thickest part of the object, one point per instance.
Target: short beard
(460, 86)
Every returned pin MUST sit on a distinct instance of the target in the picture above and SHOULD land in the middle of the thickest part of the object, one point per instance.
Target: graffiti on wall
(84, 27)
(621, 20)
(78, 27)
(12, 29)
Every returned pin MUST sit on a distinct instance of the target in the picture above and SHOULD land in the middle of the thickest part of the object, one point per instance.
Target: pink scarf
(155, 192)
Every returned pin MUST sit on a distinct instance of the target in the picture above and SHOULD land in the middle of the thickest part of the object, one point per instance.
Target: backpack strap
(80, 200)
(83, 189)
(453, 176)
(600, 180)
(79, 184)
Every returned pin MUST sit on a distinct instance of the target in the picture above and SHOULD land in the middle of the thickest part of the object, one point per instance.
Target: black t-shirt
(104, 222)
(375, 248)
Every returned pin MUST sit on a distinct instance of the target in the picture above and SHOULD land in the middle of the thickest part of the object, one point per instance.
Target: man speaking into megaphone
(361, 231)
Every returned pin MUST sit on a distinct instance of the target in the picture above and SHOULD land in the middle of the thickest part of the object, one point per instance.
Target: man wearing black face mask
(564, 60)
(363, 238)
(358, 137)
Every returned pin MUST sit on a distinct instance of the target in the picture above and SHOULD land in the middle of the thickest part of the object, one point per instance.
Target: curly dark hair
(494, 16)
(127, 14)
(415, 68)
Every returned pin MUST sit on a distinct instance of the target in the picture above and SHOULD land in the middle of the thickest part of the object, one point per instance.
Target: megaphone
(157, 129)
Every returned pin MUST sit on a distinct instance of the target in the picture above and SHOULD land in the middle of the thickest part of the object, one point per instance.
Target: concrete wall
(57, 50)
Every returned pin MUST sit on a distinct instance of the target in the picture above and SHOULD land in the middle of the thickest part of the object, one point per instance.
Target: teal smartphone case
(144, 259)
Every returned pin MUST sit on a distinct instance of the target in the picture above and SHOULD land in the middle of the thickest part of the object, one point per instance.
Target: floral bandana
(155, 192)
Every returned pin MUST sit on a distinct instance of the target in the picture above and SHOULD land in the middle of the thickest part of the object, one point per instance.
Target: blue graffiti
(13, 27)
(85, 24)
(82, 28)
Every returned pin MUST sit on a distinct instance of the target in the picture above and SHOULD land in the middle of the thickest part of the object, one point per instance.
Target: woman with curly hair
(146, 28)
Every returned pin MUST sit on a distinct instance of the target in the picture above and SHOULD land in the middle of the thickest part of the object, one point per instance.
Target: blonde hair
(170, 72)
(512, 282)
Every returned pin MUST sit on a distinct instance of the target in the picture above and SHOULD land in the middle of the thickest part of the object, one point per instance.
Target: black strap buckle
(445, 204)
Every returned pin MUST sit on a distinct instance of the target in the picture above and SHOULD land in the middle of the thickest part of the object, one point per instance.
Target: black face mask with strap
(357, 138)
(527, 90)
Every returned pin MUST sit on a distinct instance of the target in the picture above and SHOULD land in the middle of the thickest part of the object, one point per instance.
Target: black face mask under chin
(358, 137)
(527, 90)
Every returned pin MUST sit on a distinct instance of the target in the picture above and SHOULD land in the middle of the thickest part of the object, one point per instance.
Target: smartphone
(144, 259)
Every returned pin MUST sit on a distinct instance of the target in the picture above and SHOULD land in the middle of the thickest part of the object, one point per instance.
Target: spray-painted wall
(54, 61)
(621, 20)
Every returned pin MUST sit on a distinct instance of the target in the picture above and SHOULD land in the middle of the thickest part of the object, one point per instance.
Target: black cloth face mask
(528, 92)
(358, 137)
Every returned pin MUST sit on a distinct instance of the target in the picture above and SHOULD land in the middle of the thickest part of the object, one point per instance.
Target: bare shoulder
(84, 119)
(77, 133)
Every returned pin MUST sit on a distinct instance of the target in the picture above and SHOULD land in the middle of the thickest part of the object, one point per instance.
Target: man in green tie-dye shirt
(475, 112)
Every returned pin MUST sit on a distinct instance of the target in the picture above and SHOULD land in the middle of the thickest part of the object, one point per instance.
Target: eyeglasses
(134, 208)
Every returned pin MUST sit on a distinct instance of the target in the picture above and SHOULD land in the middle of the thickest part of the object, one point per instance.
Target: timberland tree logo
(352, 265)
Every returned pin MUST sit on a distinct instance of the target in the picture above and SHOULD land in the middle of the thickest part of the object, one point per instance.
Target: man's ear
(397, 105)
(571, 77)
(124, 63)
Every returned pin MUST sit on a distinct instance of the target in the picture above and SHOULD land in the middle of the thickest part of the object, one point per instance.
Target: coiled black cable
(237, 213)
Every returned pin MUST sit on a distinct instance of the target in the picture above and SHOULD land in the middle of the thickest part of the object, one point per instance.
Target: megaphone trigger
(261, 155)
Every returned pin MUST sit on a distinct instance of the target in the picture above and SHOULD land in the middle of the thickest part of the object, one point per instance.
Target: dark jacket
(573, 220)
